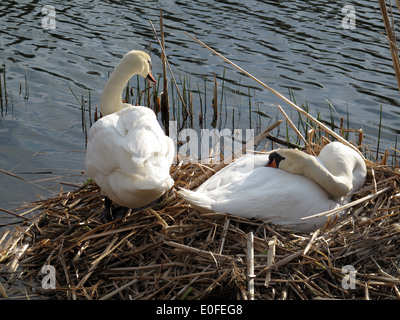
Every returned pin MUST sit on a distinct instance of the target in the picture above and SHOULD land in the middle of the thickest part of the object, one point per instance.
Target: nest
(169, 251)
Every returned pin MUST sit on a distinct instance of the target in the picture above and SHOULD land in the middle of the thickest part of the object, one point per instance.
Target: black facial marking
(277, 157)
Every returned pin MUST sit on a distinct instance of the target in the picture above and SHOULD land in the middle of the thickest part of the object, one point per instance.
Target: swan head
(140, 63)
(290, 160)
(134, 62)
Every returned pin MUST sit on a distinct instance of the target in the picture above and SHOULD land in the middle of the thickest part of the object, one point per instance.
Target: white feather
(128, 154)
(249, 189)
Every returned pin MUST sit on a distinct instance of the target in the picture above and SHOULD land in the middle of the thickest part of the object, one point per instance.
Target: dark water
(288, 44)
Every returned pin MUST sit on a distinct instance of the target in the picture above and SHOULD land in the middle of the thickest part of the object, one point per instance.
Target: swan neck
(337, 186)
(111, 98)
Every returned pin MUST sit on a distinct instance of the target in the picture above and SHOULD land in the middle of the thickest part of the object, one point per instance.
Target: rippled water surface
(298, 45)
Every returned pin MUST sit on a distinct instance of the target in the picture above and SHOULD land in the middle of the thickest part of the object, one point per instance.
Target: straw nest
(170, 251)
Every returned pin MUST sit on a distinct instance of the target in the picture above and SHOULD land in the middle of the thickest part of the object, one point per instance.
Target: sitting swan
(253, 187)
(128, 154)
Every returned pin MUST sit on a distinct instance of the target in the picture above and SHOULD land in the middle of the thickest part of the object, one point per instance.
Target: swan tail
(198, 201)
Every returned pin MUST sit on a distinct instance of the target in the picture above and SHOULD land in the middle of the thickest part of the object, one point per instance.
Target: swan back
(129, 156)
(342, 161)
(249, 188)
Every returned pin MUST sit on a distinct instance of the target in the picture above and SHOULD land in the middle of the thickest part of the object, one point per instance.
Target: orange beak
(272, 164)
(150, 78)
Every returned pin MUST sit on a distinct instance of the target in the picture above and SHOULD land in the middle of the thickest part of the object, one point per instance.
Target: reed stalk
(164, 95)
(291, 124)
(205, 97)
(394, 161)
(26, 96)
(90, 106)
(222, 87)
(169, 67)
(201, 107)
(215, 101)
(126, 99)
(191, 109)
(248, 94)
(379, 133)
(310, 117)
(146, 82)
(83, 111)
(391, 37)
(5, 82)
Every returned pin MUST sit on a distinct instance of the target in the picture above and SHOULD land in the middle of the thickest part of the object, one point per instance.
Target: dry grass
(170, 251)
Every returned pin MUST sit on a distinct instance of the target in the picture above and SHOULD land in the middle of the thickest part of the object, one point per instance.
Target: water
(298, 45)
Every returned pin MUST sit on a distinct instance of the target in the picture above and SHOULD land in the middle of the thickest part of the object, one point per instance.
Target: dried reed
(168, 250)
(391, 36)
(278, 94)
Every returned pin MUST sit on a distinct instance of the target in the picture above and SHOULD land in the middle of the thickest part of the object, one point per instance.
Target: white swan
(128, 154)
(251, 187)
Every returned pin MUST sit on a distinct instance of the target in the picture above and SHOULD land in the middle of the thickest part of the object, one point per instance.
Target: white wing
(248, 189)
(129, 156)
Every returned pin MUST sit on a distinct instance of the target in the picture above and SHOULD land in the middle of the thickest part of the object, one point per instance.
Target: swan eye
(150, 66)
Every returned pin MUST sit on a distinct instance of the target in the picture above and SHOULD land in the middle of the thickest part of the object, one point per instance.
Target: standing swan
(128, 154)
(306, 185)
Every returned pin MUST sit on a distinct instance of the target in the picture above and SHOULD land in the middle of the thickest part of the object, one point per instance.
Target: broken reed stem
(311, 242)
(224, 231)
(300, 110)
(250, 264)
(215, 99)
(169, 68)
(203, 253)
(348, 205)
(14, 214)
(280, 263)
(270, 260)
